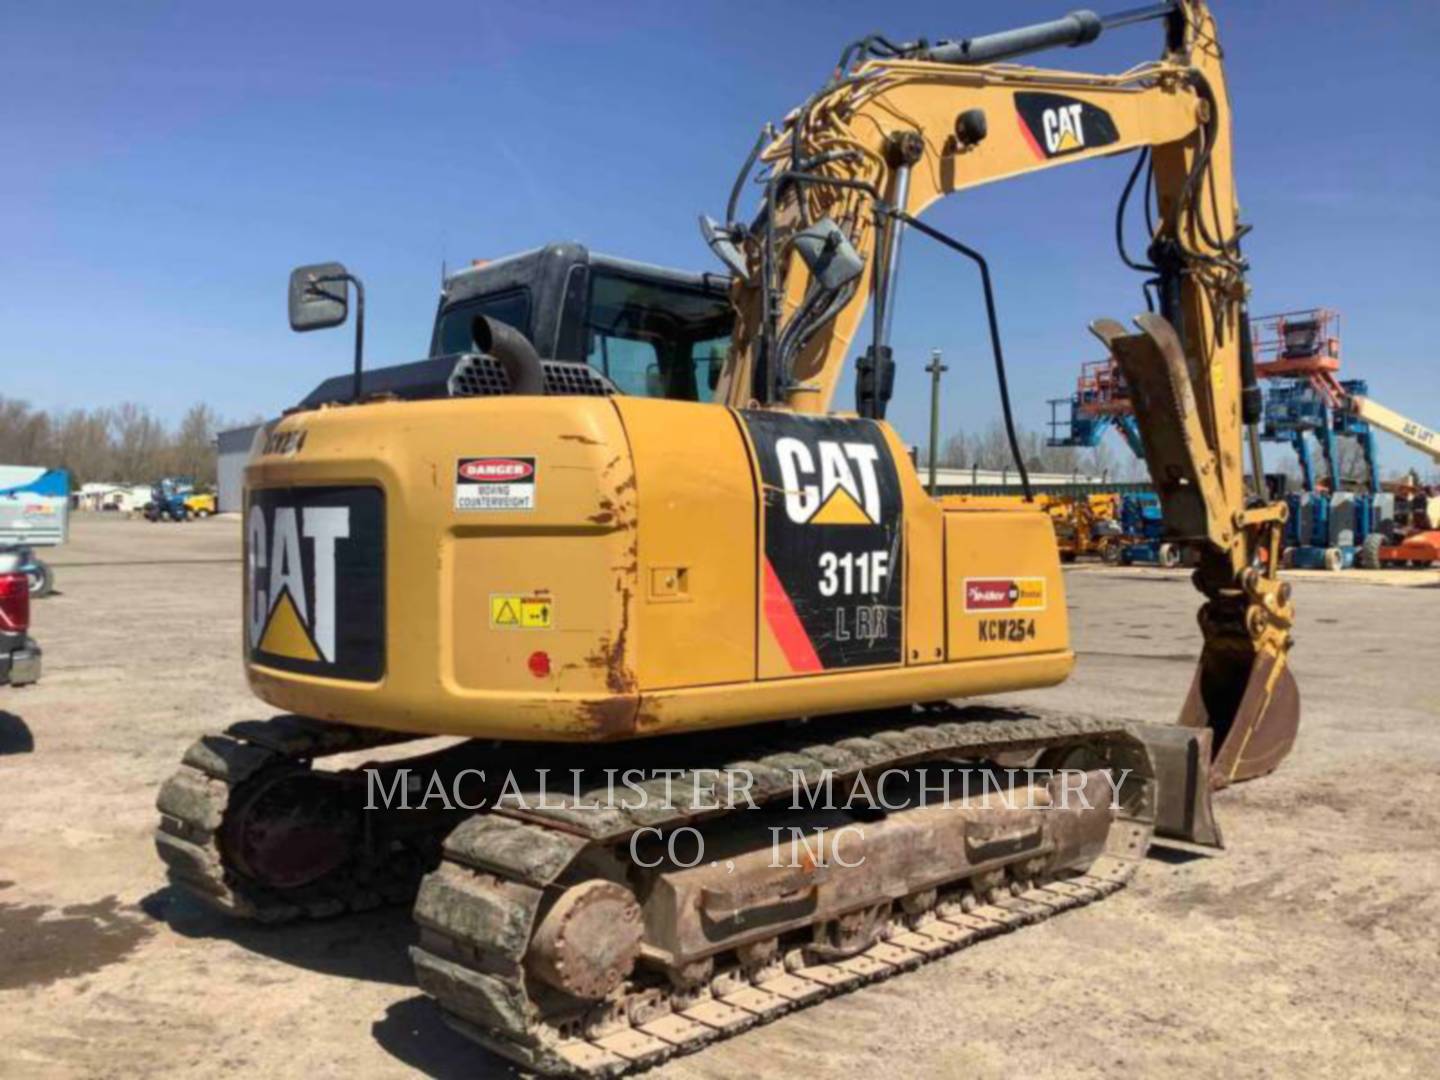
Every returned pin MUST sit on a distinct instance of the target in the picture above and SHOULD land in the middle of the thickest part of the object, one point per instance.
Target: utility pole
(935, 368)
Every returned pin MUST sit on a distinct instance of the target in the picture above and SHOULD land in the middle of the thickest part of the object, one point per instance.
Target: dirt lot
(1309, 947)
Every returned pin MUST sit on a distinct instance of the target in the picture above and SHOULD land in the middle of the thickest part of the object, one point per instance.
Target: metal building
(232, 447)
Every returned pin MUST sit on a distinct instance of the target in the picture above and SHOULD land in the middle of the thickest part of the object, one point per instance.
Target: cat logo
(313, 580)
(1053, 124)
(1063, 128)
(831, 597)
(841, 488)
(285, 618)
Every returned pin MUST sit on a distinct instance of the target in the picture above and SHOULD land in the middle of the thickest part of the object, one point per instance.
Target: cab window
(511, 307)
(656, 339)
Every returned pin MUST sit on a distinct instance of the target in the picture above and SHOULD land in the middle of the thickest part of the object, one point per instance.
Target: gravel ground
(1308, 947)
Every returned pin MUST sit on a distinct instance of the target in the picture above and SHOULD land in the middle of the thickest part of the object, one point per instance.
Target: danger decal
(495, 483)
(833, 577)
(1054, 125)
(314, 581)
(1004, 594)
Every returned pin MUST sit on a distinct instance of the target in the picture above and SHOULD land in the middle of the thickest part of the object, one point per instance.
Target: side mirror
(319, 296)
(827, 251)
(724, 247)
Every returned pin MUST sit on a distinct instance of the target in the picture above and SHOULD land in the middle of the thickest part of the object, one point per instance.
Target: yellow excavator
(612, 535)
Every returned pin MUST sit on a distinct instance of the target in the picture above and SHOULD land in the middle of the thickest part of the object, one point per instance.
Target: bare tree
(25, 435)
(82, 444)
(193, 451)
(13, 415)
(125, 444)
(1350, 455)
(1099, 461)
(954, 453)
(991, 450)
(140, 444)
(1040, 456)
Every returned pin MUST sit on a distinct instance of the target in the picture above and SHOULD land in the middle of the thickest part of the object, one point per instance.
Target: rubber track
(478, 910)
(194, 800)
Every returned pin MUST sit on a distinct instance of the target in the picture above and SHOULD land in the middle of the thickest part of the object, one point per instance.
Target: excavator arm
(852, 169)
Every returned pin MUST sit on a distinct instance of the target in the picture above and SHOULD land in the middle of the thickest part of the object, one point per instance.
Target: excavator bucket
(1255, 730)
(1243, 710)
(1221, 737)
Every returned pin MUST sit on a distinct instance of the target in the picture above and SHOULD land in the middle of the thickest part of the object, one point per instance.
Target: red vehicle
(19, 655)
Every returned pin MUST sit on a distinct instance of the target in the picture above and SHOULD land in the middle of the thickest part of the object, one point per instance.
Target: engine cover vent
(479, 375)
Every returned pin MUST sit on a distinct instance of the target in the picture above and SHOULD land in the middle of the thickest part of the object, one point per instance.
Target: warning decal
(516, 611)
(495, 483)
(833, 573)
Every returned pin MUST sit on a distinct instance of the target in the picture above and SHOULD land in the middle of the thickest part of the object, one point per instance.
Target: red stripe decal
(1029, 136)
(786, 625)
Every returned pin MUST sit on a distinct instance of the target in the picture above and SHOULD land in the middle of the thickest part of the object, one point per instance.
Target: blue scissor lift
(1299, 353)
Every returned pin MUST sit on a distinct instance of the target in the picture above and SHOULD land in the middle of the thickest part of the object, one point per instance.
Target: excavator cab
(601, 326)
(648, 330)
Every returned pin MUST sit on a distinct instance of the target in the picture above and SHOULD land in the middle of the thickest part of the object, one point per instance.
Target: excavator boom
(854, 167)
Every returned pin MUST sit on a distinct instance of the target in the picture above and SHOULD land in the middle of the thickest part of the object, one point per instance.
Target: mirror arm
(359, 324)
(359, 335)
(994, 321)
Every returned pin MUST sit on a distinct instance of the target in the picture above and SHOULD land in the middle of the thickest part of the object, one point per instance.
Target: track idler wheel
(588, 942)
(293, 829)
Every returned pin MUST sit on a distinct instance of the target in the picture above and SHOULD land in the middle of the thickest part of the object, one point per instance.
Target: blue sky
(166, 164)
